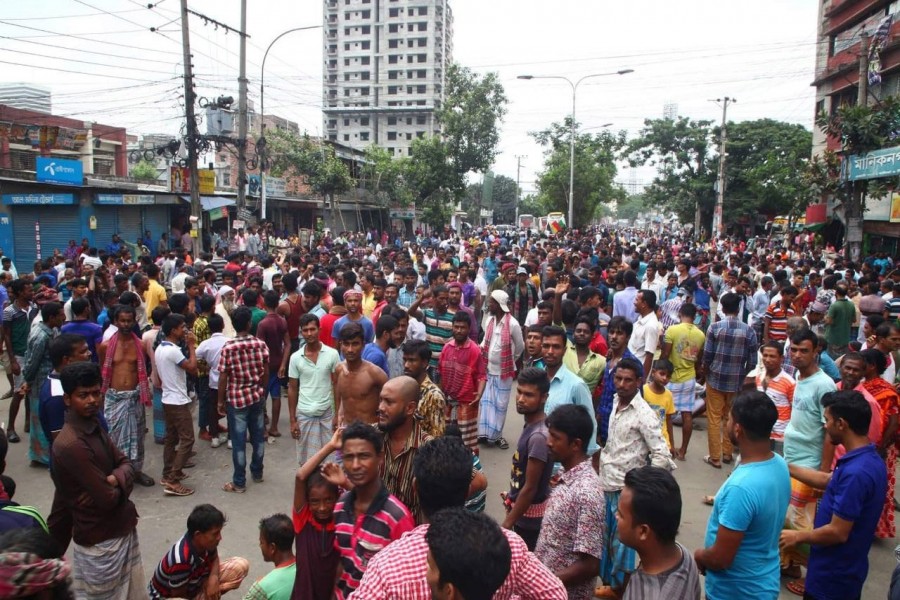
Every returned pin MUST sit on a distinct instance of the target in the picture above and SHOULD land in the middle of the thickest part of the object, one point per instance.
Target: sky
(103, 63)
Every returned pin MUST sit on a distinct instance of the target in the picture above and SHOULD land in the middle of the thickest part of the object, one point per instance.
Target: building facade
(26, 96)
(841, 25)
(385, 64)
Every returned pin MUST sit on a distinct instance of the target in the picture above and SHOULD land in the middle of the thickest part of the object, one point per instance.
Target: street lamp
(574, 85)
(261, 145)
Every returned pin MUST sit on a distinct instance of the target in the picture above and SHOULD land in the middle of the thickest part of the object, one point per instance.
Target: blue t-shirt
(365, 322)
(90, 331)
(855, 493)
(753, 500)
(375, 355)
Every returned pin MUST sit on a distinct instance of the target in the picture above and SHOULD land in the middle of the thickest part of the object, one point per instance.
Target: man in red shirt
(326, 323)
(463, 377)
(273, 330)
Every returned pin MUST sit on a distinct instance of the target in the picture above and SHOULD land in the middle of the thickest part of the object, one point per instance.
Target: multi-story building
(26, 96)
(841, 25)
(385, 64)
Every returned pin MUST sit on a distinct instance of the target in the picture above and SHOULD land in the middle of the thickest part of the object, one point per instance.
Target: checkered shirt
(246, 360)
(729, 354)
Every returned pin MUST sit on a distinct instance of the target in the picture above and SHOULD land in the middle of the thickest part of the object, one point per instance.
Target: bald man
(403, 436)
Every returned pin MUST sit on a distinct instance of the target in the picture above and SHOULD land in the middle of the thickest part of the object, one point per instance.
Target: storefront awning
(208, 203)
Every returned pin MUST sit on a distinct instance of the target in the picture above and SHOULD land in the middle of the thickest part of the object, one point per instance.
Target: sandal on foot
(727, 459)
(715, 465)
(174, 488)
(275, 434)
(502, 444)
(230, 487)
(797, 587)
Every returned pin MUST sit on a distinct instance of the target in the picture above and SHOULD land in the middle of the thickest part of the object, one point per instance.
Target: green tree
(144, 170)
(383, 176)
(532, 205)
(679, 149)
(595, 170)
(860, 129)
(765, 170)
(630, 207)
(470, 117)
(503, 198)
(316, 162)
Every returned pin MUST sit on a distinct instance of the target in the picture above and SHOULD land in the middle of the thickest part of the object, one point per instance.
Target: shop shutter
(156, 219)
(59, 224)
(129, 223)
(107, 225)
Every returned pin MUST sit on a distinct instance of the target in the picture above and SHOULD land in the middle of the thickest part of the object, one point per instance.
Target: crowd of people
(398, 360)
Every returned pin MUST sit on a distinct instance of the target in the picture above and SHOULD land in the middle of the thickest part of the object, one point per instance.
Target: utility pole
(519, 158)
(242, 113)
(191, 122)
(718, 222)
(853, 209)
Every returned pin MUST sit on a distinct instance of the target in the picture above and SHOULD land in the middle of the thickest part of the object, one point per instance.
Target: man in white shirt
(210, 350)
(645, 337)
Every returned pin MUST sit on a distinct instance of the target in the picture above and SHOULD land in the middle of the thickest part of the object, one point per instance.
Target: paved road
(163, 517)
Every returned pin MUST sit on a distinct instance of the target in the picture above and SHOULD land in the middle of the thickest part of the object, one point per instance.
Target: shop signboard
(403, 213)
(37, 199)
(207, 178)
(878, 163)
(125, 199)
(58, 170)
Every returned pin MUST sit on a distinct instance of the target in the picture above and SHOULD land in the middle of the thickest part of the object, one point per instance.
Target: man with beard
(381, 298)
(376, 352)
(353, 303)
(403, 436)
(224, 307)
(358, 382)
(126, 389)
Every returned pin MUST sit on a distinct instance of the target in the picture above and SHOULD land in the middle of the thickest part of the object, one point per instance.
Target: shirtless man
(359, 382)
(126, 389)
(291, 308)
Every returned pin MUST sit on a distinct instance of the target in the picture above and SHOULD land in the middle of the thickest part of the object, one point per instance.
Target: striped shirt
(778, 316)
(396, 471)
(360, 537)
(181, 566)
(780, 389)
(438, 331)
(729, 354)
(461, 369)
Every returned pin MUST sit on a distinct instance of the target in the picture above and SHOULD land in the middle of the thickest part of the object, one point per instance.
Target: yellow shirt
(663, 404)
(590, 371)
(368, 304)
(154, 295)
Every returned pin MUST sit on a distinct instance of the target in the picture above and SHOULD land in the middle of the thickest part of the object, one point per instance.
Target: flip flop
(728, 460)
(711, 462)
(276, 434)
(797, 587)
(230, 487)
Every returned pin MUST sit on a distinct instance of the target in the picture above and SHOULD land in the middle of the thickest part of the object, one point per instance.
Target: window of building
(332, 92)
(420, 89)
(392, 74)
(226, 179)
(410, 58)
(420, 120)
(392, 43)
(409, 27)
(346, 122)
(332, 48)
(366, 45)
(364, 76)
(364, 121)
(393, 27)
(392, 135)
(423, 58)
(367, 14)
(346, 76)
(346, 47)
(409, 136)
(394, 12)
(346, 62)
(409, 120)
(411, 12)
(346, 137)
(423, 26)
(422, 74)
(421, 103)
(409, 89)
(364, 136)
(346, 31)
(392, 90)
(366, 29)
(346, 92)
(332, 123)
(422, 42)
(420, 134)
(365, 60)
(393, 103)
(364, 91)
(332, 137)
(392, 120)
(423, 10)
(347, 16)
(390, 150)
(392, 59)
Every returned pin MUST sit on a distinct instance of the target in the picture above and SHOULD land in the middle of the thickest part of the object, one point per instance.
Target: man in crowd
(741, 555)
(35, 370)
(635, 438)
(775, 383)
(272, 330)
(502, 346)
(353, 303)
(463, 379)
(106, 557)
(126, 389)
(644, 340)
(683, 347)
(728, 355)
(357, 381)
(311, 380)
(571, 538)
(243, 365)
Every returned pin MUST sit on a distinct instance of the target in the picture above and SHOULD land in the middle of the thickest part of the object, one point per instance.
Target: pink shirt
(874, 424)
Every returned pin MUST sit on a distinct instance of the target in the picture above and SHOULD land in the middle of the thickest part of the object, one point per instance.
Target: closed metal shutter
(59, 224)
(129, 223)
(156, 219)
(107, 225)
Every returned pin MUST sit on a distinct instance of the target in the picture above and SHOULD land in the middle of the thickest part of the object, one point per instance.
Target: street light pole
(261, 148)
(574, 85)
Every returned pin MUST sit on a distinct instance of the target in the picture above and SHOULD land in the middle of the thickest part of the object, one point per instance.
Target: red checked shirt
(398, 571)
(246, 360)
(461, 369)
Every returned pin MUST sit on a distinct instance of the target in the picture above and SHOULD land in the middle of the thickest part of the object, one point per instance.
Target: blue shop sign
(878, 163)
(37, 199)
(57, 170)
(124, 199)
